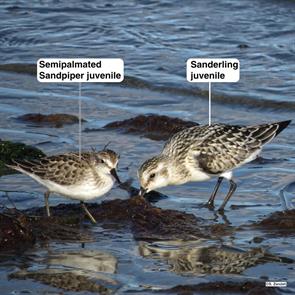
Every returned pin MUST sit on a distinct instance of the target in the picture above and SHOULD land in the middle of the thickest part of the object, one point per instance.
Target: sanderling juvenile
(201, 152)
(79, 178)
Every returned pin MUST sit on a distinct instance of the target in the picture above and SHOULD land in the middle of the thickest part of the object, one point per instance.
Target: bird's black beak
(114, 173)
(142, 191)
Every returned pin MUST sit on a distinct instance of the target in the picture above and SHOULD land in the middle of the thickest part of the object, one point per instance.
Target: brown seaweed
(282, 222)
(51, 120)
(152, 126)
(255, 287)
(16, 151)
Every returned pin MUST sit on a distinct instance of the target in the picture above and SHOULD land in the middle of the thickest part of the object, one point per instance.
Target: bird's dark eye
(152, 175)
(100, 161)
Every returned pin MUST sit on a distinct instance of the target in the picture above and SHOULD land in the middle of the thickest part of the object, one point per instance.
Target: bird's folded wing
(225, 149)
(61, 169)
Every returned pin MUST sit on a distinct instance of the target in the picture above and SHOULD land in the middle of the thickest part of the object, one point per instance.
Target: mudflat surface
(120, 255)
(168, 234)
(173, 235)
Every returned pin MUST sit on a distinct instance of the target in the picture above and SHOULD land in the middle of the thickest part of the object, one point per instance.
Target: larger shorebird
(80, 178)
(201, 152)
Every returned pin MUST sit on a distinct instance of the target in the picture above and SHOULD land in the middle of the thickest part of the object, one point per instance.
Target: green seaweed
(16, 151)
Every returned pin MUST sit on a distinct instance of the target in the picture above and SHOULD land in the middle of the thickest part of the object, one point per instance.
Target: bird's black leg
(46, 197)
(87, 212)
(210, 203)
(232, 189)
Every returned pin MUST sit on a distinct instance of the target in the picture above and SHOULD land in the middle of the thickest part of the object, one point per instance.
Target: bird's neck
(178, 173)
(101, 177)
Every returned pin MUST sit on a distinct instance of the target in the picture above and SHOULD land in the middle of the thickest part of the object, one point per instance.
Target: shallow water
(155, 39)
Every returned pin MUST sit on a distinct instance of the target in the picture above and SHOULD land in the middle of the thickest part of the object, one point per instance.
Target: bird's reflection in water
(198, 258)
(83, 270)
(86, 260)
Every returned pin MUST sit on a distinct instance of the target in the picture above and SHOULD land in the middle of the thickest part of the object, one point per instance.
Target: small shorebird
(201, 152)
(79, 178)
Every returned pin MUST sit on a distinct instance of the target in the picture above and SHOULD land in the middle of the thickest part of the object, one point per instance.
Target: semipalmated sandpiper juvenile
(201, 152)
(80, 178)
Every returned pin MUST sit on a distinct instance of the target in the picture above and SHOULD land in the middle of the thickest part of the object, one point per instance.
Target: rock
(152, 126)
(52, 120)
(16, 151)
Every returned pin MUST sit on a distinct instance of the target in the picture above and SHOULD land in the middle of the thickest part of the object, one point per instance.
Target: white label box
(213, 70)
(60, 70)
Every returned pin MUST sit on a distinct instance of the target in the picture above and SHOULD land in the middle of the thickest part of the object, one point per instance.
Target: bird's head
(106, 161)
(153, 174)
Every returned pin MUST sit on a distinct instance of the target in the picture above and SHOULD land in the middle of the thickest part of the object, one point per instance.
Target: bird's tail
(21, 166)
(267, 132)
